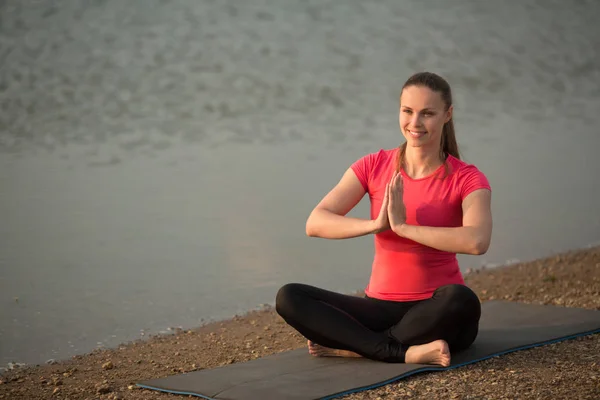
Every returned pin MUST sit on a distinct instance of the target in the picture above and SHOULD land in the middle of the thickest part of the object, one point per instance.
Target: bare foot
(436, 352)
(321, 351)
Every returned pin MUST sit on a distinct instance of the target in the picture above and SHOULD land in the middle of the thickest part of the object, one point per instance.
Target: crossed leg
(350, 326)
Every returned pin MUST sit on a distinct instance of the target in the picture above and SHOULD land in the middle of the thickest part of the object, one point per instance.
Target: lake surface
(158, 159)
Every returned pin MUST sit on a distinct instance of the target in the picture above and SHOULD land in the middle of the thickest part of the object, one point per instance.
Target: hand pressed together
(395, 209)
(392, 213)
(382, 222)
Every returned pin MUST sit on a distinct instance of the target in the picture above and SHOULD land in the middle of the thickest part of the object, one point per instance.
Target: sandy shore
(569, 369)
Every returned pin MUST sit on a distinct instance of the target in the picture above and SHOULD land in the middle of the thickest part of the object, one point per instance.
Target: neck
(420, 162)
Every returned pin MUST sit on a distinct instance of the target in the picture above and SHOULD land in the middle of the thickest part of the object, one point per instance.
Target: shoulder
(378, 157)
(373, 164)
(461, 168)
(468, 177)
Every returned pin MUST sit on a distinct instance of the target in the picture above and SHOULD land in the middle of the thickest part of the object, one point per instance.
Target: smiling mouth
(416, 134)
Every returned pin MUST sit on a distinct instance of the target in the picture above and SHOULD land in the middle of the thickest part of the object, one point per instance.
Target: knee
(458, 292)
(286, 299)
(460, 298)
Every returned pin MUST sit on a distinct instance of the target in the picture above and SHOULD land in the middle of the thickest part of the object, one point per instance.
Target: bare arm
(328, 219)
(472, 238)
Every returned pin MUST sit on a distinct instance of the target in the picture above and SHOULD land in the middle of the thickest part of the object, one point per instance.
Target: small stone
(108, 365)
(55, 391)
(132, 387)
(102, 388)
(51, 361)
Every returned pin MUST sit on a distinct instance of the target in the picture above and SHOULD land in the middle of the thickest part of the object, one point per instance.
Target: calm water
(158, 159)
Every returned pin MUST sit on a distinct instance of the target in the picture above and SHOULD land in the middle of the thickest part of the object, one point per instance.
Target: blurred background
(158, 159)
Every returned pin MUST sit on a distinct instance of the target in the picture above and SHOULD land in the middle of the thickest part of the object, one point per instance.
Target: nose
(415, 121)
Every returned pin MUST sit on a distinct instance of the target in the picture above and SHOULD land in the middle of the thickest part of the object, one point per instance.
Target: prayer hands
(396, 211)
(382, 222)
(392, 213)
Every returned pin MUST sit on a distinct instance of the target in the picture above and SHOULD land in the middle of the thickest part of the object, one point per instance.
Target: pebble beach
(565, 370)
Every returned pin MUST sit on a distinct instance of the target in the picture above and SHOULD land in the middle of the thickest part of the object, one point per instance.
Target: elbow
(314, 224)
(480, 247)
(311, 229)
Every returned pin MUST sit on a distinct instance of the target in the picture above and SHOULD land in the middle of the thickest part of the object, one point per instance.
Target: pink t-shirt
(402, 269)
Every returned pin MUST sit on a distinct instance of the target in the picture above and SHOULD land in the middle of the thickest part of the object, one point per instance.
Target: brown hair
(437, 84)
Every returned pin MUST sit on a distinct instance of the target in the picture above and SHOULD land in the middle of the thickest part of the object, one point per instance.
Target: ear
(449, 113)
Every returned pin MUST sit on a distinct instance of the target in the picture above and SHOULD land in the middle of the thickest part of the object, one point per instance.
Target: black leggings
(379, 329)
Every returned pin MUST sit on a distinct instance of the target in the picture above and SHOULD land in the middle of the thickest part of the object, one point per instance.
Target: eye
(407, 111)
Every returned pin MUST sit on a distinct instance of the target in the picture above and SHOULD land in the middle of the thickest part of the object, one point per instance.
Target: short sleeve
(362, 169)
(472, 179)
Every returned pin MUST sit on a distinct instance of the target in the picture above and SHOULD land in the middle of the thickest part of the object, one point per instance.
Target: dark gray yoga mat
(505, 327)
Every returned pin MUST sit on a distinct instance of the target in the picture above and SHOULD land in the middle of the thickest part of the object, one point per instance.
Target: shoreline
(570, 279)
(171, 330)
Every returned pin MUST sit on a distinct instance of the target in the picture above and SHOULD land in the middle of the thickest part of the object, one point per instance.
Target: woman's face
(422, 116)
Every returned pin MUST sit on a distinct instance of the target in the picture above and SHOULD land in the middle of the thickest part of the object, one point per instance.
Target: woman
(426, 206)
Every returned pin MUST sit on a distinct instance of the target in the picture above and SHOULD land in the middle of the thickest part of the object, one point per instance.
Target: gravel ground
(569, 369)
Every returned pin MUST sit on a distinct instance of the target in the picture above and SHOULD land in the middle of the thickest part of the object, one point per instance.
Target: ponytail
(449, 146)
